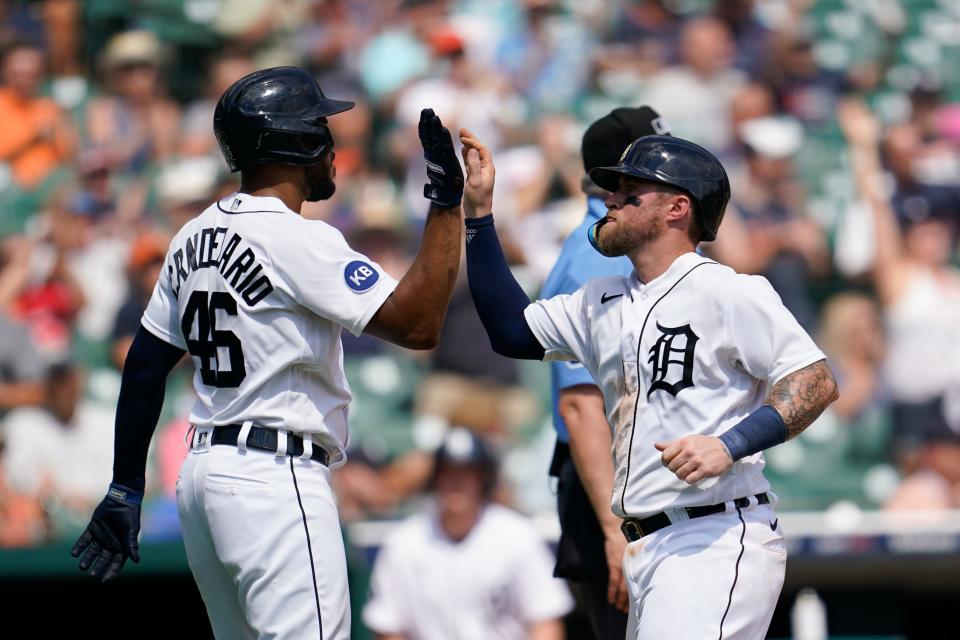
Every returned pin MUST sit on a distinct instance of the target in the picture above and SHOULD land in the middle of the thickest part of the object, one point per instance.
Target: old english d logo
(672, 353)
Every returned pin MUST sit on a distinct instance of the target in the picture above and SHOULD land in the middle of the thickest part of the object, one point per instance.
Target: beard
(320, 184)
(619, 239)
(613, 241)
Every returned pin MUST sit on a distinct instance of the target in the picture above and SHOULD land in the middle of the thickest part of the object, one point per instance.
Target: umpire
(591, 547)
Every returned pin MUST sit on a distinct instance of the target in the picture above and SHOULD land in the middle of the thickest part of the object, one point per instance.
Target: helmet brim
(328, 107)
(609, 177)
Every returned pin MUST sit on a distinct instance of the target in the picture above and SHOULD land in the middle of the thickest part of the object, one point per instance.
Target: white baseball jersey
(258, 294)
(492, 585)
(694, 351)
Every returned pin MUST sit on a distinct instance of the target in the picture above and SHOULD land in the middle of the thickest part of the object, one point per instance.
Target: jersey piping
(636, 404)
(233, 213)
(736, 571)
(306, 530)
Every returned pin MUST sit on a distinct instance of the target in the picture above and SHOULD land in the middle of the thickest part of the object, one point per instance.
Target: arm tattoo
(803, 395)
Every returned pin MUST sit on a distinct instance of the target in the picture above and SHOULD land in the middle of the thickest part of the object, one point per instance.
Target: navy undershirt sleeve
(142, 388)
(762, 429)
(500, 301)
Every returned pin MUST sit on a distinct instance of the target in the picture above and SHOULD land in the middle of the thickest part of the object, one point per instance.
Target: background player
(466, 568)
(685, 350)
(258, 295)
(590, 550)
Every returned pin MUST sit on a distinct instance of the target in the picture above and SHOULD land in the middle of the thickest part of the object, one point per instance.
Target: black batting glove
(111, 536)
(445, 188)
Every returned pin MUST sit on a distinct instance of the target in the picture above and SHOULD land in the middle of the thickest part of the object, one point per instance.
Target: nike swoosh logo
(604, 299)
(773, 525)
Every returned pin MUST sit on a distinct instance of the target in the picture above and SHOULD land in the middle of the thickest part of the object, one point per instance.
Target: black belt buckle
(631, 530)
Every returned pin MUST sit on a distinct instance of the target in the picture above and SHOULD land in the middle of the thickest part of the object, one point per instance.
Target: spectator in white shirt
(466, 569)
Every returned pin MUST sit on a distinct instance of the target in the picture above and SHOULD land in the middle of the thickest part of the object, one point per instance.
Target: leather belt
(636, 528)
(266, 440)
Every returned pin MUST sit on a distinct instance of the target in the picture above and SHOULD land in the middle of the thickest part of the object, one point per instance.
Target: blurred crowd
(838, 121)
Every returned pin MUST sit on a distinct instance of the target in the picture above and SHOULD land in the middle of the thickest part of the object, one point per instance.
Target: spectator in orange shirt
(36, 137)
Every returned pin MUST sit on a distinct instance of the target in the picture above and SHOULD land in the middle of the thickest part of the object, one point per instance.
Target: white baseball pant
(713, 577)
(263, 541)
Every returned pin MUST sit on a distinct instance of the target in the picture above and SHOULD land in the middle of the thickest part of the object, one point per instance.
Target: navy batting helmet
(679, 163)
(275, 115)
(461, 447)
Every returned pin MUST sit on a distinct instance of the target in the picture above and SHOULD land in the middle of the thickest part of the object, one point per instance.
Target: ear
(680, 206)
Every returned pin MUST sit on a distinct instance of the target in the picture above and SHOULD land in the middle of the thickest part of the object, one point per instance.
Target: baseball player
(701, 369)
(590, 550)
(257, 295)
(465, 568)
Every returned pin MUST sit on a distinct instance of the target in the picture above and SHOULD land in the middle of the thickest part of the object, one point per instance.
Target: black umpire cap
(605, 139)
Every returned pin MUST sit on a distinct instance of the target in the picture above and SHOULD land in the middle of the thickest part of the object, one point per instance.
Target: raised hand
(111, 536)
(481, 174)
(860, 127)
(445, 188)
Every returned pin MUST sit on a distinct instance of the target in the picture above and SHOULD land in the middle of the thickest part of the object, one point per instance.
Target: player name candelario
(212, 248)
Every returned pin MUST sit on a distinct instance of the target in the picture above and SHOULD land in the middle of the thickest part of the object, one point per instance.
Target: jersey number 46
(211, 342)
